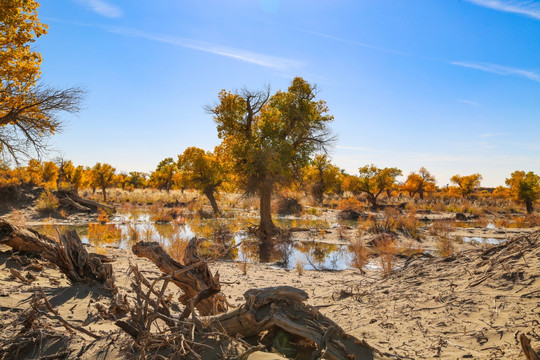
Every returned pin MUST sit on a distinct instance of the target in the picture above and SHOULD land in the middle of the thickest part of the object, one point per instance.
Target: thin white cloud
(468, 102)
(522, 7)
(268, 61)
(102, 8)
(499, 69)
(492, 135)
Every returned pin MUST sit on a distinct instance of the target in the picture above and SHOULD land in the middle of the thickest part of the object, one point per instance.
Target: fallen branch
(283, 307)
(193, 277)
(68, 326)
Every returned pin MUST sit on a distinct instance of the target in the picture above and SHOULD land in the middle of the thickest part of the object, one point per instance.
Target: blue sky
(451, 85)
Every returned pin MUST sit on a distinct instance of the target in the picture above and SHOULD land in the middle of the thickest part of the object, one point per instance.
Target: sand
(471, 305)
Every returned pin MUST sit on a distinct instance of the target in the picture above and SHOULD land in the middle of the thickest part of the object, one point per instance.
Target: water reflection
(221, 238)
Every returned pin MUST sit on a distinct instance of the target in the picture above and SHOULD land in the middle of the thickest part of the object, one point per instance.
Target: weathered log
(193, 277)
(67, 201)
(69, 255)
(283, 307)
(94, 205)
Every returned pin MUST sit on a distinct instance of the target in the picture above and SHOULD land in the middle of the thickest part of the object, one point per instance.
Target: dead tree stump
(283, 307)
(69, 254)
(193, 277)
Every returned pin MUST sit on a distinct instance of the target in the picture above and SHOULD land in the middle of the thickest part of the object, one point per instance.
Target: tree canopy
(524, 187)
(203, 171)
(372, 181)
(419, 183)
(322, 177)
(467, 184)
(27, 110)
(270, 138)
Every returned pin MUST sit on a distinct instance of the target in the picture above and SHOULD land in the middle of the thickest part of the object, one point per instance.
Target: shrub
(360, 253)
(350, 203)
(385, 247)
(47, 202)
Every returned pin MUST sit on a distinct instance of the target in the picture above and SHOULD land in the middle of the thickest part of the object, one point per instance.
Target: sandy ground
(471, 305)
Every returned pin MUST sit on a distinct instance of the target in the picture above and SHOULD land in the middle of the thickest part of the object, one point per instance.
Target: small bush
(360, 253)
(350, 203)
(299, 267)
(385, 247)
(47, 202)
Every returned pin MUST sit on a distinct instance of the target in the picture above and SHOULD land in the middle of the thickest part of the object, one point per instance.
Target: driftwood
(81, 204)
(68, 254)
(283, 307)
(193, 277)
(67, 201)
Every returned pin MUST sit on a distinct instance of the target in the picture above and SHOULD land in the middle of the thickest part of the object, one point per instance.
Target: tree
(162, 177)
(525, 187)
(27, 110)
(268, 139)
(322, 177)
(136, 180)
(102, 176)
(419, 183)
(202, 171)
(467, 184)
(372, 181)
(69, 177)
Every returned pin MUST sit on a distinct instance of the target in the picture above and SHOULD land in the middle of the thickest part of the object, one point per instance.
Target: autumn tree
(419, 183)
(270, 138)
(70, 177)
(27, 110)
(372, 181)
(322, 177)
(466, 184)
(203, 171)
(102, 176)
(136, 180)
(163, 177)
(524, 187)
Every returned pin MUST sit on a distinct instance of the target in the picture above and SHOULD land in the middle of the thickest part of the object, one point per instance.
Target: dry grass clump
(360, 253)
(147, 233)
(441, 228)
(385, 247)
(161, 214)
(446, 246)
(393, 221)
(445, 243)
(47, 202)
(177, 247)
(527, 221)
(300, 267)
(132, 233)
(143, 196)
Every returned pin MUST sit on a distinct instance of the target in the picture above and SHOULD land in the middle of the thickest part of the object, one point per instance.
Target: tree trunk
(283, 307)
(372, 199)
(104, 192)
(192, 277)
(529, 206)
(267, 228)
(210, 195)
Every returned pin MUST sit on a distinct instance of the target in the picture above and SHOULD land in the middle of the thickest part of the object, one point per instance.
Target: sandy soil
(471, 305)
